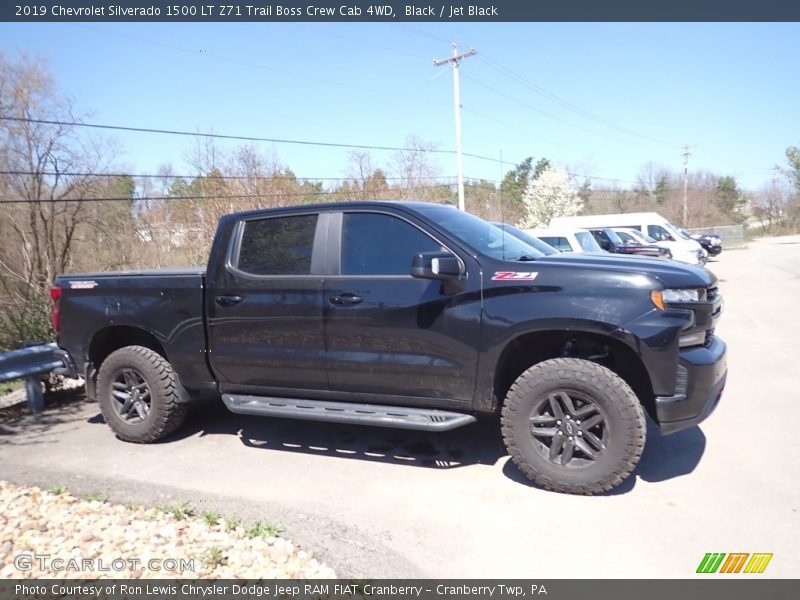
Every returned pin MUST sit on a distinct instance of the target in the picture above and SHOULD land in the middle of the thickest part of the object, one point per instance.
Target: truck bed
(96, 308)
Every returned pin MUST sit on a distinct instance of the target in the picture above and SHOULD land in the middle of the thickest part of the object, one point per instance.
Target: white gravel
(85, 538)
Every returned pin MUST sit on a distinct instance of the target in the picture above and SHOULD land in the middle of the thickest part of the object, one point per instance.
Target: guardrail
(31, 362)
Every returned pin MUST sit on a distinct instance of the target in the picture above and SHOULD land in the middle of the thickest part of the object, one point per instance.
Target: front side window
(658, 233)
(378, 244)
(278, 246)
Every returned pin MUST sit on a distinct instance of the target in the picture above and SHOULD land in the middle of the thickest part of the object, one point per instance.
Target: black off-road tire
(584, 383)
(167, 406)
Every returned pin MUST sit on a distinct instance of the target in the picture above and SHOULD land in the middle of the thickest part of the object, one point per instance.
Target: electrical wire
(241, 137)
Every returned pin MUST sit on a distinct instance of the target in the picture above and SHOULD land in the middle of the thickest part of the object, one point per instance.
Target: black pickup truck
(408, 315)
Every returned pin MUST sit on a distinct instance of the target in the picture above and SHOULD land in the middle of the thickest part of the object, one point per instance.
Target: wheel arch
(530, 348)
(112, 338)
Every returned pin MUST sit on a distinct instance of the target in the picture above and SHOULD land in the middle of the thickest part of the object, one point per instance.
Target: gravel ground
(96, 539)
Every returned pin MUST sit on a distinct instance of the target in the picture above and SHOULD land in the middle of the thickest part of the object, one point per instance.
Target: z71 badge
(514, 275)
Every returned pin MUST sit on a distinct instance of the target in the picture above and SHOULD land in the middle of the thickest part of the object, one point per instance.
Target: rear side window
(559, 243)
(279, 246)
(376, 244)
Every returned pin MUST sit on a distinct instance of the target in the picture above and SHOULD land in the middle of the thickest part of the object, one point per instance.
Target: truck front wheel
(139, 395)
(573, 426)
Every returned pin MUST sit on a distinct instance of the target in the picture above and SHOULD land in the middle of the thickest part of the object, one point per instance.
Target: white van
(650, 223)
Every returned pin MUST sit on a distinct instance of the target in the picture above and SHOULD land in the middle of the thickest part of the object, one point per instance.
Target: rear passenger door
(392, 337)
(265, 308)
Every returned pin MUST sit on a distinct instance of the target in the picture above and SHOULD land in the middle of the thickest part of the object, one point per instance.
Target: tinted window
(374, 244)
(559, 243)
(280, 246)
(626, 237)
(482, 236)
(533, 242)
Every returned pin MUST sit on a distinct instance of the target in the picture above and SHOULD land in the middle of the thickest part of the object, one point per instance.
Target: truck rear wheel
(573, 426)
(139, 395)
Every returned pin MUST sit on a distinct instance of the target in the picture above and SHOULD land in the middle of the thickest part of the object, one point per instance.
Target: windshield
(678, 232)
(541, 246)
(484, 237)
(644, 237)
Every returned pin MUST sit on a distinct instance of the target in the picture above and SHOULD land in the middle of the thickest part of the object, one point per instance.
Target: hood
(671, 273)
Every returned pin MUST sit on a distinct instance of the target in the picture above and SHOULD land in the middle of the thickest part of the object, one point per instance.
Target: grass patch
(99, 496)
(211, 517)
(9, 386)
(57, 490)
(179, 511)
(232, 523)
(214, 557)
(261, 529)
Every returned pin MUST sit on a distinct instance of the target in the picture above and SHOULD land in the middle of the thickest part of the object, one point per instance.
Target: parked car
(541, 246)
(407, 315)
(653, 224)
(711, 242)
(634, 236)
(609, 241)
(568, 239)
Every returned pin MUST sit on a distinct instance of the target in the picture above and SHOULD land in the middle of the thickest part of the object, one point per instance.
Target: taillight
(55, 294)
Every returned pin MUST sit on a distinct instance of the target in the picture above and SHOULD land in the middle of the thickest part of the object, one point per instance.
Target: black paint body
(408, 341)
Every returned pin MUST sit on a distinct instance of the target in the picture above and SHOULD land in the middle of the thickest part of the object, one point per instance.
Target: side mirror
(435, 265)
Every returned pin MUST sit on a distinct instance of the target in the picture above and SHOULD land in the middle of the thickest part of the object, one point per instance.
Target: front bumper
(701, 379)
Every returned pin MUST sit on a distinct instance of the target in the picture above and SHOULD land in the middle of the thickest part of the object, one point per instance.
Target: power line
(240, 62)
(240, 137)
(199, 197)
(565, 103)
(422, 33)
(545, 113)
(362, 42)
(206, 177)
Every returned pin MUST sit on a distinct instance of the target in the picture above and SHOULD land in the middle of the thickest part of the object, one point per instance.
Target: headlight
(680, 295)
(663, 297)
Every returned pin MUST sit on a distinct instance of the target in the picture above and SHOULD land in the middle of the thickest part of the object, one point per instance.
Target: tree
(730, 199)
(792, 170)
(770, 201)
(516, 180)
(415, 170)
(549, 195)
(49, 215)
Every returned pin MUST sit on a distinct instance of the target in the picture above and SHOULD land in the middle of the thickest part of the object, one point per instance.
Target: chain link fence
(732, 236)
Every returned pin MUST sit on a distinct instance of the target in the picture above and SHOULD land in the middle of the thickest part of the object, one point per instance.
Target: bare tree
(46, 213)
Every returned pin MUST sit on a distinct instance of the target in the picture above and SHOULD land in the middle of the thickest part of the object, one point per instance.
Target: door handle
(226, 301)
(345, 299)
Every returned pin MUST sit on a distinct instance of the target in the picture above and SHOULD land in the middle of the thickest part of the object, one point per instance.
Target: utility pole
(454, 62)
(686, 155)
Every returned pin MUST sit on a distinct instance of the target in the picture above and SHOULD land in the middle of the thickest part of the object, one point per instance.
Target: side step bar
(347, 412)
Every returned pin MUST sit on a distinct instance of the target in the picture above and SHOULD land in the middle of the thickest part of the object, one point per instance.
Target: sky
(601, 99)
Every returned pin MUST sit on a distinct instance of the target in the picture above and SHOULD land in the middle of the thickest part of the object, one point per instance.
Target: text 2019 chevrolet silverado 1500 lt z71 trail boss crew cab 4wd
(407, 315)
